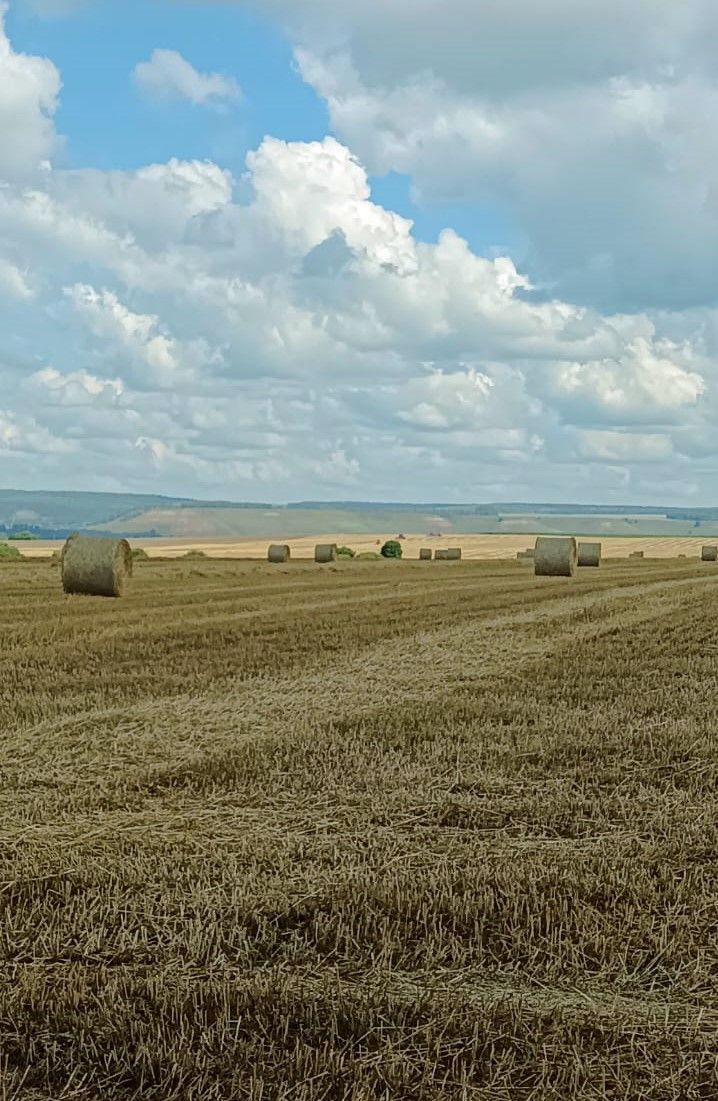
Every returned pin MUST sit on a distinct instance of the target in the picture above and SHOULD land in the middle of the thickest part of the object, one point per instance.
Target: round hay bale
(325, 552)
(278, 552)
(441, 555)
(426, 554)
(95, 567)
(555, 557)
(588, 554)
(454, 554)
(709, 553)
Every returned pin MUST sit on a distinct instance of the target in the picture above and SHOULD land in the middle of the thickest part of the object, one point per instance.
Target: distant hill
(54, 514)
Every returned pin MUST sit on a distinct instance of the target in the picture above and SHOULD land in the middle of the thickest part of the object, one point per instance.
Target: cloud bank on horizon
(177, 327)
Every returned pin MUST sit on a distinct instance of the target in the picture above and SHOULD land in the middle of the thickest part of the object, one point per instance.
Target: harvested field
(368, 831)
(473, 546)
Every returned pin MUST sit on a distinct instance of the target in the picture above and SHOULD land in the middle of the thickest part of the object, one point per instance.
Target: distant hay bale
(278, 552)
(453, 554)
(588, 554)
(636, 554)
(426, 554)
(441, 554)
(709, 553)
(325, 552)
(681, 556)
(369, 556)
(555, 557)
(95, 567)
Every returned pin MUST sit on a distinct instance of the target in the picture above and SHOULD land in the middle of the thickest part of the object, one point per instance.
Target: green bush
(194, 554)
(139, 552)
(391, 549)
(368, 556)
(7, 552)
(25, 535)
(346, 552)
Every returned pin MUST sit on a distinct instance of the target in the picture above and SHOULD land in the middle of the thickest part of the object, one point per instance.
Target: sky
(399, 250)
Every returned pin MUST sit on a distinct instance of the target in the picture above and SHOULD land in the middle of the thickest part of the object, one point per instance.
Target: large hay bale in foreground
(555, 556)
(278, 552)
(325, 552)
(709, 553)
(588, 554)
(426, 554)
(95, 567)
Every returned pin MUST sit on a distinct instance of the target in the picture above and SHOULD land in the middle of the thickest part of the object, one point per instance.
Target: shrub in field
(391, 549)
(21, 535)
(7, 552)
(194, 554)
(368, 556)
(139, 552)
(346, 552)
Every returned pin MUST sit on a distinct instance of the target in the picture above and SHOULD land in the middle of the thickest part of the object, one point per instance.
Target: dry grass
(363, 832)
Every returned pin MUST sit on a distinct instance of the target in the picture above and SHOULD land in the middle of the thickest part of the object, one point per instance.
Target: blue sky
(110, 125)
(266, 249)
(221, 38)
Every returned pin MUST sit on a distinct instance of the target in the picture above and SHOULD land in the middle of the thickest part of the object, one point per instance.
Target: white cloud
(13, 281)
(597, 146)
(164, 362)
(624, 446)
(337, 468)
(21, 435)
(29, 87)
(309, 191)
(169, 76)
(77, 387)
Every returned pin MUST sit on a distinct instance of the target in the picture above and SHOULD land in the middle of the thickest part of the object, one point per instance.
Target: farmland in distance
(370, 830)
(480, 547)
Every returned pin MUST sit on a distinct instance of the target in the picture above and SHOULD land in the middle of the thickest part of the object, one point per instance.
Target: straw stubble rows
(360, 831)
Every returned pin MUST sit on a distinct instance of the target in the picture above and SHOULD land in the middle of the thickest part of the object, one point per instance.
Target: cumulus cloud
(13, 281)
(597, 146)
(77, 387)
(29, 89)
(169, 76)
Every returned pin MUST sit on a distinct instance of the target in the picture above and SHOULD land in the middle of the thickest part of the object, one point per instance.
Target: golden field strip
(473, 546)
(374, 830)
